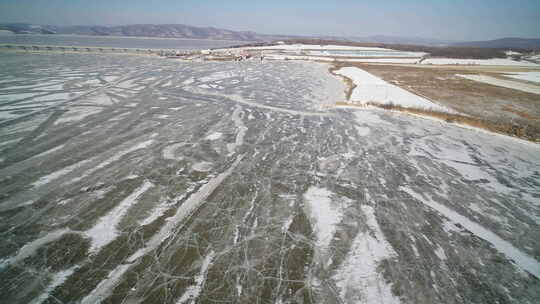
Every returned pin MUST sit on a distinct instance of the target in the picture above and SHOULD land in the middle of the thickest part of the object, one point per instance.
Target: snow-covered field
(328, 52)
(527, 76)
(494, 61)
(297, 47)
(239, 183)
(371, 89)
(331, 59)
(529, 88)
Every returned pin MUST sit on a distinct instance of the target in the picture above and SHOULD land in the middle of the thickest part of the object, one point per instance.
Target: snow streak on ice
(358, 279)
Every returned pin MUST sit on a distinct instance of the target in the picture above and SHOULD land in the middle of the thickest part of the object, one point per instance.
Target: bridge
(89, 49)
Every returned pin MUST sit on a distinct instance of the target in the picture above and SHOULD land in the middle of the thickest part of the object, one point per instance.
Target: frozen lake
(115, 42)
(128, 179)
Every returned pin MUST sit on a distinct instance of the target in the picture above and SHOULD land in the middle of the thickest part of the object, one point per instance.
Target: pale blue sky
(442, 19)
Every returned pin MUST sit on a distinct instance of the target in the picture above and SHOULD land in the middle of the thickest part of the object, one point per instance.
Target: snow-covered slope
(371, 89)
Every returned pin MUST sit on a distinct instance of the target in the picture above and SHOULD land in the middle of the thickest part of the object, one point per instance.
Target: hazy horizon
(444, 20)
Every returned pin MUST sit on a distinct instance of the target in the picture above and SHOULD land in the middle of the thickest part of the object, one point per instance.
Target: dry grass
(527, 132)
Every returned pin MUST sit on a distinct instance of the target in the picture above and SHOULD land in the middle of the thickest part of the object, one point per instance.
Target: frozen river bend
(142, 180)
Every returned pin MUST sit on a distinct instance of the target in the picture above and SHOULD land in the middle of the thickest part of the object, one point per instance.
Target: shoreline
(457, 118)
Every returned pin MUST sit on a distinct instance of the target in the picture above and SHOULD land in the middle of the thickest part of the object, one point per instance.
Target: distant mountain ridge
(402, 40)
(514, 43)
(144, 30)
(193, 32)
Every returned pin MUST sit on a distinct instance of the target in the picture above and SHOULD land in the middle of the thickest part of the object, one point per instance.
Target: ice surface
(58, 174)
(169, 152)
(49, 151)
(77, 113)
(251, 210)
(57, 280)
(118, 156)
(521, 259)
(30, 248)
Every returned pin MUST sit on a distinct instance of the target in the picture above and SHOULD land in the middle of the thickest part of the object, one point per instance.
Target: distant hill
(193, 32)
(402, 40)
(24, 28)
(504, 43)
(144, 30)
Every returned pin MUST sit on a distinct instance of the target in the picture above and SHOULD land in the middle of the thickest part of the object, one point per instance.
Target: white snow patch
(100, 292)
(214, 136)
(370, 88)
(242, 129)
(202, 166)
(357, 278)
(57, 280)
(193, 292)
(218, 76)
(324, 214)
(50, 151)
(510, 53)
(188, 81)
(105, 231)
(110, 78)
(363, 131)
(100, 99)
(119, 155)
(157, 212)
(58, 174)
(77, 113)
(169, 152)
(439, 252)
